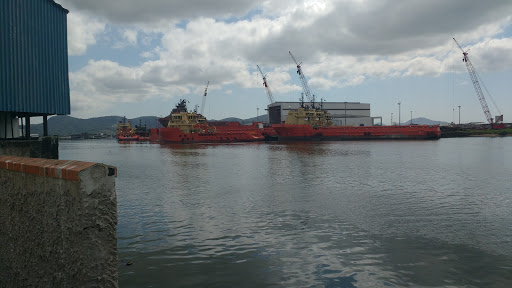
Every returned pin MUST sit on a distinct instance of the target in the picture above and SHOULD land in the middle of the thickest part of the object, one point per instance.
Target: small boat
(125, 131)
(127, 138)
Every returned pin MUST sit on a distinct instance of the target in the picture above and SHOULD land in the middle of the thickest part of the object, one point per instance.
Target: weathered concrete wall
(44, 147)
(57, 223)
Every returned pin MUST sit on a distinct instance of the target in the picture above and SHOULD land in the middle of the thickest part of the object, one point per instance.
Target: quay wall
(44, 147)
(58, 223)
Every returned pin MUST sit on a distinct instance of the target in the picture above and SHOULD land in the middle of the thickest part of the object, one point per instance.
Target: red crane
(474, 78)
(305, 86)
(269, 93)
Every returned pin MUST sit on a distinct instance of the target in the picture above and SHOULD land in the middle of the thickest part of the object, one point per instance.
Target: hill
(424, 121)
(67, 125)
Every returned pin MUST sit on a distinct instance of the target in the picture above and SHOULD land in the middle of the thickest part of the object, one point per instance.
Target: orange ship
(125, 131)
(315, 124)
(190, 127)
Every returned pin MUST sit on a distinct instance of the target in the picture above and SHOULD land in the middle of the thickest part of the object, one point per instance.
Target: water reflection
(347, 214)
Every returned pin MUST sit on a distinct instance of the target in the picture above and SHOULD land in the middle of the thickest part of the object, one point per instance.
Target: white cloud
(135, 11)
(341, 43)
(82, 32)
(102, 84)
(130, 35)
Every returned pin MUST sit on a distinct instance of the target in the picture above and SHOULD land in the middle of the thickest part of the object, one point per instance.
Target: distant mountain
(424, 121)
(67, 125)
(229, 119)
(261, 118)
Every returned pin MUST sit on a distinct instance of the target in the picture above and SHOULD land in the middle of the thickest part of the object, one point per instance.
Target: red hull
(153, 135)
(175, 135)
(306, 132)
(128, 138)
(267, 131)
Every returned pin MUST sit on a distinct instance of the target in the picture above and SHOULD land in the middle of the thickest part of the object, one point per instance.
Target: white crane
(204, 98)
(269, 93)
(474, 78)
(305, 86)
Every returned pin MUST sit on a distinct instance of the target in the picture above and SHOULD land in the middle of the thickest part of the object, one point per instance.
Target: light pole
(399, 113)
(257, 114)
(411, 118)
(345, 113)
(391, 119)
(459, 114)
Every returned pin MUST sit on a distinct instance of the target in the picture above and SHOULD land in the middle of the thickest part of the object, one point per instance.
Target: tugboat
(182, 126)
(141, 131)
(125, 131)
(315, 124)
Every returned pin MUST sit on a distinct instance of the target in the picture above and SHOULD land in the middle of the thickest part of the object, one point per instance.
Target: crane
(204, 97)
(305, 86)
(479, 93)
(269, 93)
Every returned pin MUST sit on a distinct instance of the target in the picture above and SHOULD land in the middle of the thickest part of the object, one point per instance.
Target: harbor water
(329, 214)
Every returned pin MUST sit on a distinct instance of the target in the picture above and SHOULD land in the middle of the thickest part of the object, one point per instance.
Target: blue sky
(138, 58)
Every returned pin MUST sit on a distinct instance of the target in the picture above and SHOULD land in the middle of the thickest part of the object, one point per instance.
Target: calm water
(334, 214)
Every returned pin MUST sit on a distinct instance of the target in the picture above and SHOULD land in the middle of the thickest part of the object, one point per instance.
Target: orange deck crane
(495, 123)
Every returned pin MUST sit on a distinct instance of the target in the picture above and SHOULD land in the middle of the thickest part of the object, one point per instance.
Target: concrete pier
(57, 223)
(43, 147)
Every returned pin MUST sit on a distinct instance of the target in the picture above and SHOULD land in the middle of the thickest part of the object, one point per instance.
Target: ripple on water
(333, 214)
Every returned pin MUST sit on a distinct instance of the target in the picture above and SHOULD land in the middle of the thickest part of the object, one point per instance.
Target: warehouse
(343, 113)
(34, 79)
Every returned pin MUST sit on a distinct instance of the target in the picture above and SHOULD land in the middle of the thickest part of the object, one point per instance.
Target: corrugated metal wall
(33, 57)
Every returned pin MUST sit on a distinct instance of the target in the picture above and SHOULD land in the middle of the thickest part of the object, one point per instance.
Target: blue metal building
(34, 77)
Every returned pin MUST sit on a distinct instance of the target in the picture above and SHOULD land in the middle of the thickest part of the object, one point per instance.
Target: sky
(139, 58)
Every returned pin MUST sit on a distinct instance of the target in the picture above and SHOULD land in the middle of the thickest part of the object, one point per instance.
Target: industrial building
(34, 79)
(343, 113)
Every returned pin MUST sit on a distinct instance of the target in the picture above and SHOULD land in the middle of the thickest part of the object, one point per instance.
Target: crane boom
(204, 98)
(305, 86)
(269, 93)
(476, 84)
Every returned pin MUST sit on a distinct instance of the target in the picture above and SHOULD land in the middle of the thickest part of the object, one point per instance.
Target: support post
(27, 126)
(45, 125)
(5, 126)
(12, 129)
(345, 113)
(459, 115)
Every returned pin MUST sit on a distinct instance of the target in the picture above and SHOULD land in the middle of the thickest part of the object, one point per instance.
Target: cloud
(491, 54)
(340, 43)
(131, 36)
(82, 32)
(135, 11)
(103, 83)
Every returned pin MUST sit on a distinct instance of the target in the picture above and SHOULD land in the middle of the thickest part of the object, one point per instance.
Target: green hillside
(67, 125)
